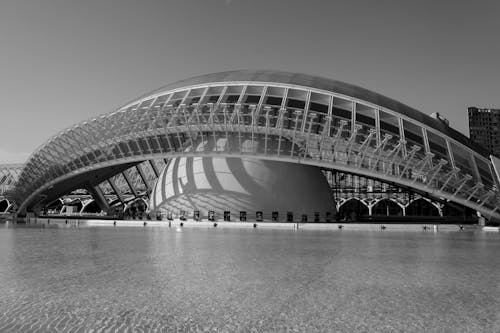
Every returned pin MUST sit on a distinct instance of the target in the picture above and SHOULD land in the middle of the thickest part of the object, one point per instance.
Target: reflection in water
(247, 280)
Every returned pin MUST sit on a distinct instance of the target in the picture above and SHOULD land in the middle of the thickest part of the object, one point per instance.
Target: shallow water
(226, 280)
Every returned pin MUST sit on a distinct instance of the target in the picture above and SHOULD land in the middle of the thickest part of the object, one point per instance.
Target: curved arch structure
(268, 115)
(9, 174)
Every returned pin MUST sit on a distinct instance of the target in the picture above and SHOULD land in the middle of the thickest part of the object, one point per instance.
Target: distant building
(484, 125)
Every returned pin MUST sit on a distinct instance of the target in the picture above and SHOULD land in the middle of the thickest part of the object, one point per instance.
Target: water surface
(225, 280)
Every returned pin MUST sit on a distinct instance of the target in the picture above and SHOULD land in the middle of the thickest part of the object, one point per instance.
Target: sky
(64, 61)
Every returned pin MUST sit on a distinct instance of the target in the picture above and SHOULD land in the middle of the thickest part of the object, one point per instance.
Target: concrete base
(71, 223)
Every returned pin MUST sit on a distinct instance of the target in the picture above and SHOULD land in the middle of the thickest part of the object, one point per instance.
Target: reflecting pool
(247, 280)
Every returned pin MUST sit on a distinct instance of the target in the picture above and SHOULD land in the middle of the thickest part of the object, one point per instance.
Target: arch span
(422, 207)
(267, 115)
(91, 206)
(387, 207)
(136, 208)
(352, 210)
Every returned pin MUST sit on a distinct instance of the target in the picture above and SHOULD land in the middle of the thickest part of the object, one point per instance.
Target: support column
(351, 141)
(448, 177)
(466, 178)
(129, 183)
(154, 167)
(312, 116)
(393, 154)
(268, 124)
(435, 170)
(364, 146)
(297, 114)
(279, 125)
(476, 188)
(409, 158)
(98, 196)
(379, 151)
(143, 176)
(117, 191)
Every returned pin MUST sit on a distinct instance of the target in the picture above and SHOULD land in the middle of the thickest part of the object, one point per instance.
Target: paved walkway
(61, 222)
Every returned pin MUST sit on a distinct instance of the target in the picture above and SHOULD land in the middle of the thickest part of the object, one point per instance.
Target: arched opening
(116, 209)
(72, 207)
(386, 207)
(11, 208)
(136, 209)
(91, 208)
(456, 213)
(4, 204)
(54, 207)
(352, 210)
(116, 203)
(421, 207)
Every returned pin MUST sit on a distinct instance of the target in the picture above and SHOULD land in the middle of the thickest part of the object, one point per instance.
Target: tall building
(484, 128)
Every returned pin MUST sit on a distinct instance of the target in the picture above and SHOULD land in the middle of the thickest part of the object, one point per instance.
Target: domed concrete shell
(241, 184)
(314, 121)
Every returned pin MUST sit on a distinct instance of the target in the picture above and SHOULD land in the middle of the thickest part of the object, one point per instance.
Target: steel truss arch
(296, 122)
(9, 175)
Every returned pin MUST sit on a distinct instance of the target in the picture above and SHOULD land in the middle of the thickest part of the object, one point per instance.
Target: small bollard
(255, 225)
(145, 223)
(215, 225)
(169, 223)
(182, 224)
(114, 223)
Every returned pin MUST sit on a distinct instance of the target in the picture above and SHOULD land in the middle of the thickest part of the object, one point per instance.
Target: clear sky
(63, 61)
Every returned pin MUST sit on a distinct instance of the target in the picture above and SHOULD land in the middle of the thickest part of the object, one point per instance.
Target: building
(264, 145)
(484, 128)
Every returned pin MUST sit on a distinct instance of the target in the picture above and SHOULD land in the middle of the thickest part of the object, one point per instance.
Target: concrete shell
(241, 184)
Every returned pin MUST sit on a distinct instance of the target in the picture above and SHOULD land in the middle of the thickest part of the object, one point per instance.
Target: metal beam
(130, 184)
(364, 146)
(297, 114)
(154, 167)
(409, 159)
(312, 116)
(448, 177)
(380, 150)
(143, 176)
(116, 190)
(98, 196)
(466, 178)
(474, 190)
(435, 170)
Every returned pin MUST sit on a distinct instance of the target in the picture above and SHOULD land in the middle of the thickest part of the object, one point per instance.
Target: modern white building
(265, 143)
